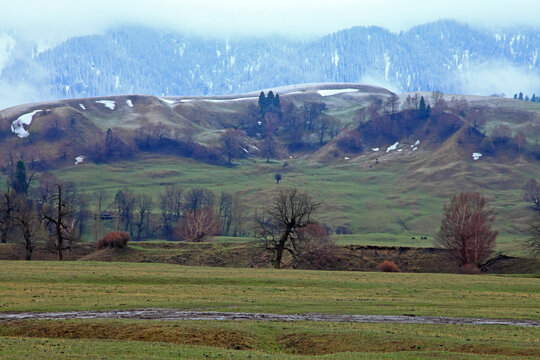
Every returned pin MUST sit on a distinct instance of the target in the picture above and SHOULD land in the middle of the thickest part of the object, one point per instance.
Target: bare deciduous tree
(466, 229)
(198, 198)
(25, 218)
(533, 243)
(7, 207)
(279, 230)
(143, 208)
(170, 204)
(231, 144)
(531, 193)
(501, 134)
(520, 140)
(476, 119)
(225, 211)
(57, 212)
(316, 250)
(197, 225)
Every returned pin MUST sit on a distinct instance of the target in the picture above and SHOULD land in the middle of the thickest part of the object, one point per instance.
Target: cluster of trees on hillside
(54, 213)
(533, 98)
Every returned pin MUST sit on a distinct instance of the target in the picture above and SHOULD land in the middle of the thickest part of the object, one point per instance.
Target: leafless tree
(321, 127)
(436, 97)
(316, 250)
(520, 140)
(476, 119)
(501, 134)
(239, 213)
(311, 112)
(531, 193)
(459, 106)
(269, 147)
(231, 144)
(125, 206)
(198, 198)
(279, 230)
(99, 214)
(25, 218)
(7, 208)
(392, 103)
(410, 102)
(533, 242)
(225, 212)
(170, 204)
(334, 127)
(57, 212)
(196, 226)
(143, 209)
(466, 229)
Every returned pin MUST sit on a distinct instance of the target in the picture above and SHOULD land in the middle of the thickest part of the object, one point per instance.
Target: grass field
(52, 286)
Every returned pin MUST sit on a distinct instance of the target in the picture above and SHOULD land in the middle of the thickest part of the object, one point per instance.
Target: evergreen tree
(515, 96)
(262, 103)
(533, 98)
(520, 96)
(20, 182)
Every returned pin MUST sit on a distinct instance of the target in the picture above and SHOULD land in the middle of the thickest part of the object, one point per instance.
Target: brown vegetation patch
(320, 344)
(173, 333)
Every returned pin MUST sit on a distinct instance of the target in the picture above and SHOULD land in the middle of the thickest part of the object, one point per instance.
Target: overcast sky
(55, 20)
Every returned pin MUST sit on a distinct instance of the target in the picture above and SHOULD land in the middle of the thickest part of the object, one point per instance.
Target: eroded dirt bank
(172, 314)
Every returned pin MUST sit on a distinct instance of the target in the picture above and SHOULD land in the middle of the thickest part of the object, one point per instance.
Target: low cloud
(379, 81)
(498, 77)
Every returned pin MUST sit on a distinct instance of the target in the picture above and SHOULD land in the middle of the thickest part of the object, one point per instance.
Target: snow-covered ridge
(330, 92)
(108, 103)
(26, 119)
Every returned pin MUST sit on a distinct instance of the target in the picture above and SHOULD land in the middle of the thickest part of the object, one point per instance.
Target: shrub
(115, 239)
(470, 269)
(388, 266)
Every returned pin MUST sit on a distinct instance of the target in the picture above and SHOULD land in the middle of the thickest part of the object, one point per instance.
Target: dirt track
(172, 314)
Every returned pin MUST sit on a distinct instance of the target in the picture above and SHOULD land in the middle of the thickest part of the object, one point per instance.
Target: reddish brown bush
(197, 225)
(388, 266)
(115, 239)
(470, 269)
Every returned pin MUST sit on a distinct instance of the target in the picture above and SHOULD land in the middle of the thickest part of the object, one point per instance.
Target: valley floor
(118, 287)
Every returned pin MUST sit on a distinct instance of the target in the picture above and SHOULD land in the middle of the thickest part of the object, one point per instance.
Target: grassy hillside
(389, 195)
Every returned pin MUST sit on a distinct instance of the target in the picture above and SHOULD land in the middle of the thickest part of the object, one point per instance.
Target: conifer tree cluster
(269, 103)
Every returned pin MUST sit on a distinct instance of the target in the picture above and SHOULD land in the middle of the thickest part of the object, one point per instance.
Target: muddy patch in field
(175, 315)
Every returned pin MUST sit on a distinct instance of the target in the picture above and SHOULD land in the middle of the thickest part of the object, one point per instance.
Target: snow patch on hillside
(335, 91)
(170, 102)
(129, 103)
(392, 147)
(79, 159)
(26, 119)
(107, 103)
(476, 156)
(227, 100)
(82, 106)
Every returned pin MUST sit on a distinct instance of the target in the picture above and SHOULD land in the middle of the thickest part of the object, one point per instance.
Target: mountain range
(446, 55)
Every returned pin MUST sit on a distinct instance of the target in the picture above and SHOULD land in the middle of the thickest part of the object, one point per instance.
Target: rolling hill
(391, 187)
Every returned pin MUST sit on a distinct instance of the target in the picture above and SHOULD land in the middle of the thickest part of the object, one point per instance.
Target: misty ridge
(445, 55)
